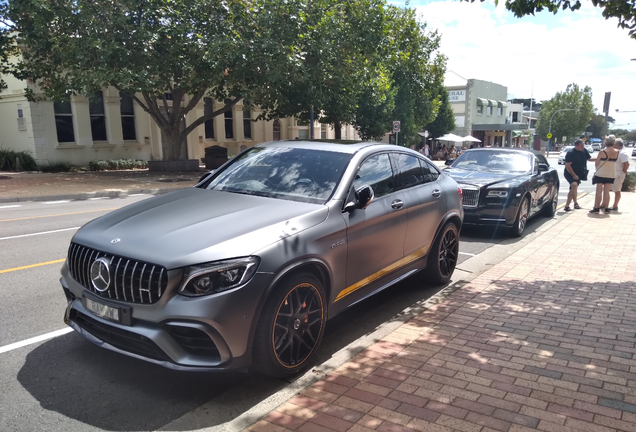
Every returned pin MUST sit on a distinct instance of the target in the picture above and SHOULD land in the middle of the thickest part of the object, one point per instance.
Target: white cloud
(539, 55)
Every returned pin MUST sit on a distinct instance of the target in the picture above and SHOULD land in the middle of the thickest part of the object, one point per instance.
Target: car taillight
(459, 191)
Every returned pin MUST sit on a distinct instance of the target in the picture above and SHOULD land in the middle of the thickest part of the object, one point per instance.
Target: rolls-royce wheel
(443, 256)
(291, 326)
(522, 218)
(550, 208)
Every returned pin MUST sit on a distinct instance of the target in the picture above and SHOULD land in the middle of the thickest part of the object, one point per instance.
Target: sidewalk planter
(174, 165)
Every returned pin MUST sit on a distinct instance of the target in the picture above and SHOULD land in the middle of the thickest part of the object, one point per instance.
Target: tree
(445, 120)
(598, 126)
(7, 44)
(569, 123)
(623, 10)
(630, 136)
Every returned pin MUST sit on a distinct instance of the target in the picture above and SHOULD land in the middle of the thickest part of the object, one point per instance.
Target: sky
(538, 55)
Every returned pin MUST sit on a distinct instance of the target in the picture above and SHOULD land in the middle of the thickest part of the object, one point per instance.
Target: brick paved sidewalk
(544, 340)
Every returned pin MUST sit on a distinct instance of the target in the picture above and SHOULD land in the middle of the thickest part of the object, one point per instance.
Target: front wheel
(551, 208)
(291, 326)
(442, 258)
(522, 218)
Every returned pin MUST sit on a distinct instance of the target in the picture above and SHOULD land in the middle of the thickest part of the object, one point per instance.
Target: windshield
(287, 173)
(494, 161)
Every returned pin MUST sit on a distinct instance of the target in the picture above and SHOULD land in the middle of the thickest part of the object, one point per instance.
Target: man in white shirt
(622, 165)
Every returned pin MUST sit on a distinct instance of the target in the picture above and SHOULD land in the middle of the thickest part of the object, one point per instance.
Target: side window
(377, 173)
(430, 173)
(410, 171)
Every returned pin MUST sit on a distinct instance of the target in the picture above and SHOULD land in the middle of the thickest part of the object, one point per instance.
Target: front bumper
(484, 215)
(177, 332)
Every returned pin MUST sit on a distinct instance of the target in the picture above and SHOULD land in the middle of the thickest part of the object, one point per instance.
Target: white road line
(466, 253)
(96, 198)
(40, 233)
(56, 202)
(36, 339)
(11, 206)
(137, 195)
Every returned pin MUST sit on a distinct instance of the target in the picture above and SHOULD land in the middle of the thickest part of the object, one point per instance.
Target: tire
(443, 256)
(522, 218)
(550, 209)
(291, 326)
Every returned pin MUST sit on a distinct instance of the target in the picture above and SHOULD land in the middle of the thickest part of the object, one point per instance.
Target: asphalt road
(68, 384)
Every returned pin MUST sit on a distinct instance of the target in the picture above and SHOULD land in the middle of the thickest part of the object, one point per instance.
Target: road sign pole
(396, 138)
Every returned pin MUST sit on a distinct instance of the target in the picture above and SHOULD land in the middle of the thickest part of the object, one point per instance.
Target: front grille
(130, 281)
(194, 341)
(471, 197)
(122, 339)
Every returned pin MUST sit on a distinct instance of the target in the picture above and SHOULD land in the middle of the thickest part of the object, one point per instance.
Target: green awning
(482, 101)
(492, 102)
(502, 104)
(517, 133)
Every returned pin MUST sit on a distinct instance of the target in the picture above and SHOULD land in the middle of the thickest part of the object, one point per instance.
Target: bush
(120, 164)
(8, 161)
(60, 167)
(629, 185)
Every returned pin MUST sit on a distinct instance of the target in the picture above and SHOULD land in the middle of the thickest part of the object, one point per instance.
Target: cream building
(114, 127)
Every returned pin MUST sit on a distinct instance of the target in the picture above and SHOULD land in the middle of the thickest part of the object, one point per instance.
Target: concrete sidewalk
(543, 340)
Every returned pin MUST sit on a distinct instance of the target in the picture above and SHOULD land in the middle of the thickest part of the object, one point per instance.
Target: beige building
(114, 127)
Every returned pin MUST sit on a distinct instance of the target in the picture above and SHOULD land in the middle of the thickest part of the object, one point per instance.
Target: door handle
(397, 204)
(437, 193)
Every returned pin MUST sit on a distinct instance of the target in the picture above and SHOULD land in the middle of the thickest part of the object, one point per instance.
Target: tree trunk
(338, 127)
(175, 142)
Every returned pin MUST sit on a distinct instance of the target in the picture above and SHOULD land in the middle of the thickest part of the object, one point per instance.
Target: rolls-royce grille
(130, 281)
(471, 197)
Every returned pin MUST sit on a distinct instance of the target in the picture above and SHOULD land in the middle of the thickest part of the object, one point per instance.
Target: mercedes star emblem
(115, 240)
(100, 274)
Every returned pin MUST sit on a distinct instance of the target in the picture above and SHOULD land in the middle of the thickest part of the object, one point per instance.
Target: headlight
(216, 277)
(497, 194)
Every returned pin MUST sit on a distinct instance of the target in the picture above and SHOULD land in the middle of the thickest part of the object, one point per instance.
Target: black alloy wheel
(291, 328)
(551, 208)
(443, 256)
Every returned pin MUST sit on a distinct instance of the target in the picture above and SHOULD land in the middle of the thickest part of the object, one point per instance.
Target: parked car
(246, 267)
(589, 148)
(561, 160)
(505, 186)
(595, 143)
(634, 152)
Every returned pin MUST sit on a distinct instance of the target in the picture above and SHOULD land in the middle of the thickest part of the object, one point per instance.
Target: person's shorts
(602, 180)
(618, 182)
(570, 179)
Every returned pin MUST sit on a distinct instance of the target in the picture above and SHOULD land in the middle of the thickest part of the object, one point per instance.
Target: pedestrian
(604, 175)
(622, 165)
(427, 151)
(575, 171)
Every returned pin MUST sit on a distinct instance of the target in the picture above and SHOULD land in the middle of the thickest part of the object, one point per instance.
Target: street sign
(396, 126)
(549, 135)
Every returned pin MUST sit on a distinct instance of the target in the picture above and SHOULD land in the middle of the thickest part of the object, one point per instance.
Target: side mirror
(543, 167)
(364, 195)
(449, 162)
(206, 176)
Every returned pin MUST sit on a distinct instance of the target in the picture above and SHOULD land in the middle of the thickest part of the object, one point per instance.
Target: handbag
(585, 173)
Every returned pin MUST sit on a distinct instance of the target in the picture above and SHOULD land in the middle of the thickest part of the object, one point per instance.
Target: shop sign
(457, 95)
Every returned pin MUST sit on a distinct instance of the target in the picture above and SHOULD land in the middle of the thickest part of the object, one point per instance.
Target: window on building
(276, 130)
(489, 110)
(127, 117)
(98, 117)
(229, 124)
(515, 117)
(247, 123)
(499, 111)
(303, 134)
(323, 131)
(208, 108)
(480, 109)
(64, 122)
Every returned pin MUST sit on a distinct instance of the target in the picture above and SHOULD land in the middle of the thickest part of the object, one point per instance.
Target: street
(63, 382)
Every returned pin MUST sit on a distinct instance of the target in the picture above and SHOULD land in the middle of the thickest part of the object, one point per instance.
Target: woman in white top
(604, 175)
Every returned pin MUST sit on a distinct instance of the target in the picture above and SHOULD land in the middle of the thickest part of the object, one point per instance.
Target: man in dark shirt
(575, 170)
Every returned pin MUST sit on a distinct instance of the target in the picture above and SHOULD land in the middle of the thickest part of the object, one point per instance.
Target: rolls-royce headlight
(218, 276)
(497, 194)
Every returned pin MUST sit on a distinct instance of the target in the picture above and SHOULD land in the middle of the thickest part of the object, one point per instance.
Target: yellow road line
(32, 265)
(59, 214)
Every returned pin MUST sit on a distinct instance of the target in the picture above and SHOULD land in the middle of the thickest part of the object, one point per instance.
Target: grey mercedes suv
(246, 267)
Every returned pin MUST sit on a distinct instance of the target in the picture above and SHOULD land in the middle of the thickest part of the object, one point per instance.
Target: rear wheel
(522, 218)
(291, 326)
(443, 256)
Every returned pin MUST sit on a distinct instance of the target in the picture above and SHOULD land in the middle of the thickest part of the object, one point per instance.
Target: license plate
(102, 310)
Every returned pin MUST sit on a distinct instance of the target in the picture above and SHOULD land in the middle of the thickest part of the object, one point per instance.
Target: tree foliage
(623, 10)
(570, 123)
(598, 126)
(359, 62)
(445, 120)
(7, 44)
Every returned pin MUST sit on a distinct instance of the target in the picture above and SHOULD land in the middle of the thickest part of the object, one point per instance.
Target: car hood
(194, 225)
(484, 178)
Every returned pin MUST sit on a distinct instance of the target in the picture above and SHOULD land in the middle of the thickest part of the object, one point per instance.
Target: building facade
(115, 127)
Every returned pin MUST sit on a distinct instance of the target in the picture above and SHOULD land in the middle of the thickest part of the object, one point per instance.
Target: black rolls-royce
(505, 186)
